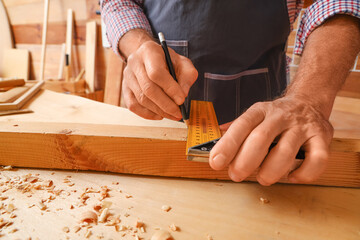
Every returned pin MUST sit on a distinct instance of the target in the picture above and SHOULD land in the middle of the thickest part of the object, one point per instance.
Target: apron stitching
(235, 76)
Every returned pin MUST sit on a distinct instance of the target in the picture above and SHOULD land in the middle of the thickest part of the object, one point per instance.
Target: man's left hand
(294, 122)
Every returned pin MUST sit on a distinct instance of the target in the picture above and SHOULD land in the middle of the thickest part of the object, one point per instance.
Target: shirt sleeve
(320, 11)
(121, 16)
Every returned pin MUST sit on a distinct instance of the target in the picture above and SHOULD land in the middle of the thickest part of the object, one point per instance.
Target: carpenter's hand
(149, 89)
(244, 146)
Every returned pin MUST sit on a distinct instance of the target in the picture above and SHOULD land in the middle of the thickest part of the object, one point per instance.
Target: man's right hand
(149, 89)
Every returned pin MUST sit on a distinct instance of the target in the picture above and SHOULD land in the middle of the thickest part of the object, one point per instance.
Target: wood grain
(130, 149)
(12, 94)
(114, 75)
(91, 40)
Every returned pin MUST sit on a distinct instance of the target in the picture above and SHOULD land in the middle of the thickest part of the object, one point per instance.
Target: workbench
(200, 209)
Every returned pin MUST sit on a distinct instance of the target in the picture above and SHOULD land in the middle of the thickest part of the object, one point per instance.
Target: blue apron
(237, 46)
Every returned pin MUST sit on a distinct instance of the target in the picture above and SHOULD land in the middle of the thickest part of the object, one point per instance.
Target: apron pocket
(179, 46)
(232, 94)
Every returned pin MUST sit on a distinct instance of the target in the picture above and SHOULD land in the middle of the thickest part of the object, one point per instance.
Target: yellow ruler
(203, 128)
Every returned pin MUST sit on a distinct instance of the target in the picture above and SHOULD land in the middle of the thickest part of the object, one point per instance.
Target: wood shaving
(209, 237)
(139, 224)
(48, 183)
(2, 198)
(264, 200)
(142, 229)
(88, 234)
(10, 208)
(7, 168)
(12, 215)
(71, 206)
(161, 235)
(137, 237)
(173, 227)
(88, 217)
(66, 229)
(76, 229)
(166, 208)
(97, 207)
(128, 196)
(12, 230)
(104, 215)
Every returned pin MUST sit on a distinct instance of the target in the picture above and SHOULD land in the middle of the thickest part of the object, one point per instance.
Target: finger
(141, 99)
(186, 73)
(281, 158)
(147, 89)
(316, 157)
(157, 71)
(133, 105)
(255, 148)
(225, 150)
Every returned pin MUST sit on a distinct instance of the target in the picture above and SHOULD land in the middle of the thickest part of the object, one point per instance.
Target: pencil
(172, 72)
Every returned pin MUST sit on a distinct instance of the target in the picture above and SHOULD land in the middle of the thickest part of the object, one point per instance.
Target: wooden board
(21, 100)
(223, 210)
(137, 150)
(6, 40)
(28, 11)
(12, 94)
(16, 64)
(114, 75)
(91, 40)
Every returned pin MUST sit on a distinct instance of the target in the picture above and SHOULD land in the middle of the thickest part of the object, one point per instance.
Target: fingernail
(218, 161)
(234, 177)
(178, 100)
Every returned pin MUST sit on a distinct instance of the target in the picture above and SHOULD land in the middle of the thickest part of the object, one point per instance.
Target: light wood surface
(222, 210)
(6, 40)
(61, 134)
(12, 94)
(43, 39)
(69, 43)
(91, 40)
(114, 75)
(16, 63)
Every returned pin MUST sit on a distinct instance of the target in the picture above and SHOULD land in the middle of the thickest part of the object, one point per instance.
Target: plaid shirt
(120, 16)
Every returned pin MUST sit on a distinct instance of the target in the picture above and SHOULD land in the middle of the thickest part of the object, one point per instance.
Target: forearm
(329, 54)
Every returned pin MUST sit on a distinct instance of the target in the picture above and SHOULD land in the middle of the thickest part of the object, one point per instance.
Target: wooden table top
(199, 208)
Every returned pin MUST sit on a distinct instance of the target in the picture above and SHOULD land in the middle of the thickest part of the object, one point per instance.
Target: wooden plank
(19, 102)
(223, 210)
(130, 149)
(9, 82)
(6, 40)
(59, 85)
(91, 40)
(12, 94)
(27, 11)
(43, 40)
(31, 33)
(351, 87)
(114, 75)
(16, 64)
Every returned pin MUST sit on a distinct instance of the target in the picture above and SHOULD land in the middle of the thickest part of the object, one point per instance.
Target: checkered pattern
(120, 16)
(318, 12)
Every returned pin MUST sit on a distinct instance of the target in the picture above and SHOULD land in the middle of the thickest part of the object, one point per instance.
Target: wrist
(321, 101)
(132, 41)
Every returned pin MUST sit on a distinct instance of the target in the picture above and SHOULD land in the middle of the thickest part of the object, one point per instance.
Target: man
(233, 54)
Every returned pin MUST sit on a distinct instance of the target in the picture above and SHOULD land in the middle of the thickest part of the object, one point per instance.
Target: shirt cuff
(121, 19)
(320, 11)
